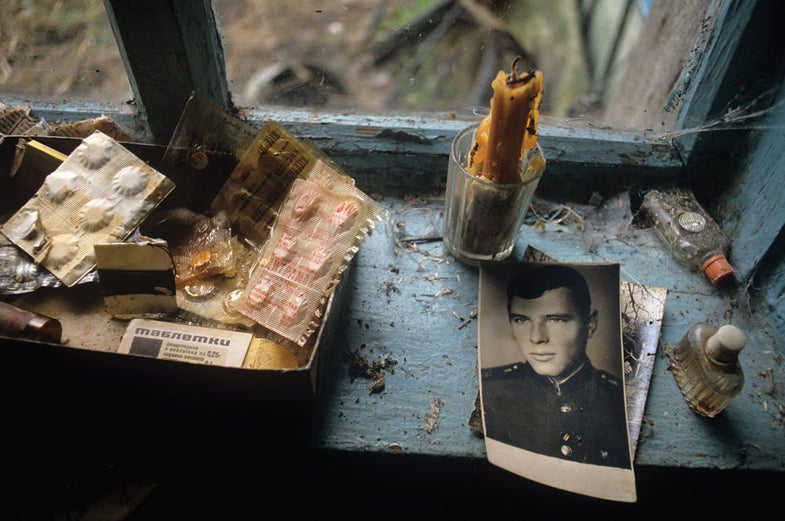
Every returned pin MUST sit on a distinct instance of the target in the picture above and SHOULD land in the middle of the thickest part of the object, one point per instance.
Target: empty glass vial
(706, 365)
(690, 233)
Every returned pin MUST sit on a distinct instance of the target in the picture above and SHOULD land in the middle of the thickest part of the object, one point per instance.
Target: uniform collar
(579, 374)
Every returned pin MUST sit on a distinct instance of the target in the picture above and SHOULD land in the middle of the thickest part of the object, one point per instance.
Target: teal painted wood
(410, 307)
(575, 149)
(203, 49)
(170, 49)
(584, 149)
(772, 291)
(758, 251)
(580, 160)
(126, 115)
(698, 91)
(741, 158)
(756, 211)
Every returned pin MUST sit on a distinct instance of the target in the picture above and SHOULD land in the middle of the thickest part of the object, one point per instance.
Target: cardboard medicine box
(86, 367)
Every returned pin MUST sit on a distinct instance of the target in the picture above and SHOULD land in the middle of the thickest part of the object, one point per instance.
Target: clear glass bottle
(706, 365)
(693, 237)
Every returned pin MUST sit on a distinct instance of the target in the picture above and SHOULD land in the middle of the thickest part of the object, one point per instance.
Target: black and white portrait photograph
(551, 375)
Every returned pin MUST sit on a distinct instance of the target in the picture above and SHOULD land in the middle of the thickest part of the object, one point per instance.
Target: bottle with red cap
(692, 235)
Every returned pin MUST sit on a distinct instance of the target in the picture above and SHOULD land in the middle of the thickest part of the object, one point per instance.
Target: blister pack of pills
(19, 273)
(316, 234)
(99, 194)
(257, 186)
(205, 147)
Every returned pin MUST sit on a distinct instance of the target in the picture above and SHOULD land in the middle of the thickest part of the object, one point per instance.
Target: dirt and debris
(768, 378)
(475, 419)
(422, 228)
(16, 120)
(464, 320)
(390, 287)
(361, 367)
(433, 414)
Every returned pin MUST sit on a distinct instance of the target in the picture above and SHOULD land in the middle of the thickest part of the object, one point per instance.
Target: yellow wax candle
(509, 129)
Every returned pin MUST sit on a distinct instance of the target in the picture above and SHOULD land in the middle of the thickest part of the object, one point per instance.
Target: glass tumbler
(482, 219)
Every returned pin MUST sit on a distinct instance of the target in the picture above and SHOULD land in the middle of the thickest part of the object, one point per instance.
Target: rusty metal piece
(19, 323)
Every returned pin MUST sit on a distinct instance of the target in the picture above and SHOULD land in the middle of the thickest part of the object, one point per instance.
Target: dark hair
(535, 281)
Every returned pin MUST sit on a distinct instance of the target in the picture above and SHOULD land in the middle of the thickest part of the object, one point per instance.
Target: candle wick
(513, 79)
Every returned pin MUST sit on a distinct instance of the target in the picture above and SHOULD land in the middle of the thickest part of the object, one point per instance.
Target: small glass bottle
(693, 237)
(706, 365)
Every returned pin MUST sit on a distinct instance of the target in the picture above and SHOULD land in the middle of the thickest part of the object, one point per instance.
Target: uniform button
(566, 407)
(566, 451)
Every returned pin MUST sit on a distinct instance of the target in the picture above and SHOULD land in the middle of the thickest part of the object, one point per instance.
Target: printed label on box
(192, 344)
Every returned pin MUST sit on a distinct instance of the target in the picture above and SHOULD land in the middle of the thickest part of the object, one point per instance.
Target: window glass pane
(60, 49)
(425, 55)
(394, 56)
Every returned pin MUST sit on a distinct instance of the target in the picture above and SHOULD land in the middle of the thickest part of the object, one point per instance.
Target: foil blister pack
(99, 194)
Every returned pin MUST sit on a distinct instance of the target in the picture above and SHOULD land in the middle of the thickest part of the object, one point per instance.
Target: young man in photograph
(555, 402)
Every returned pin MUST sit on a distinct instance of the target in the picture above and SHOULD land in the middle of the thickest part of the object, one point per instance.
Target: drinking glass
(482, 219)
